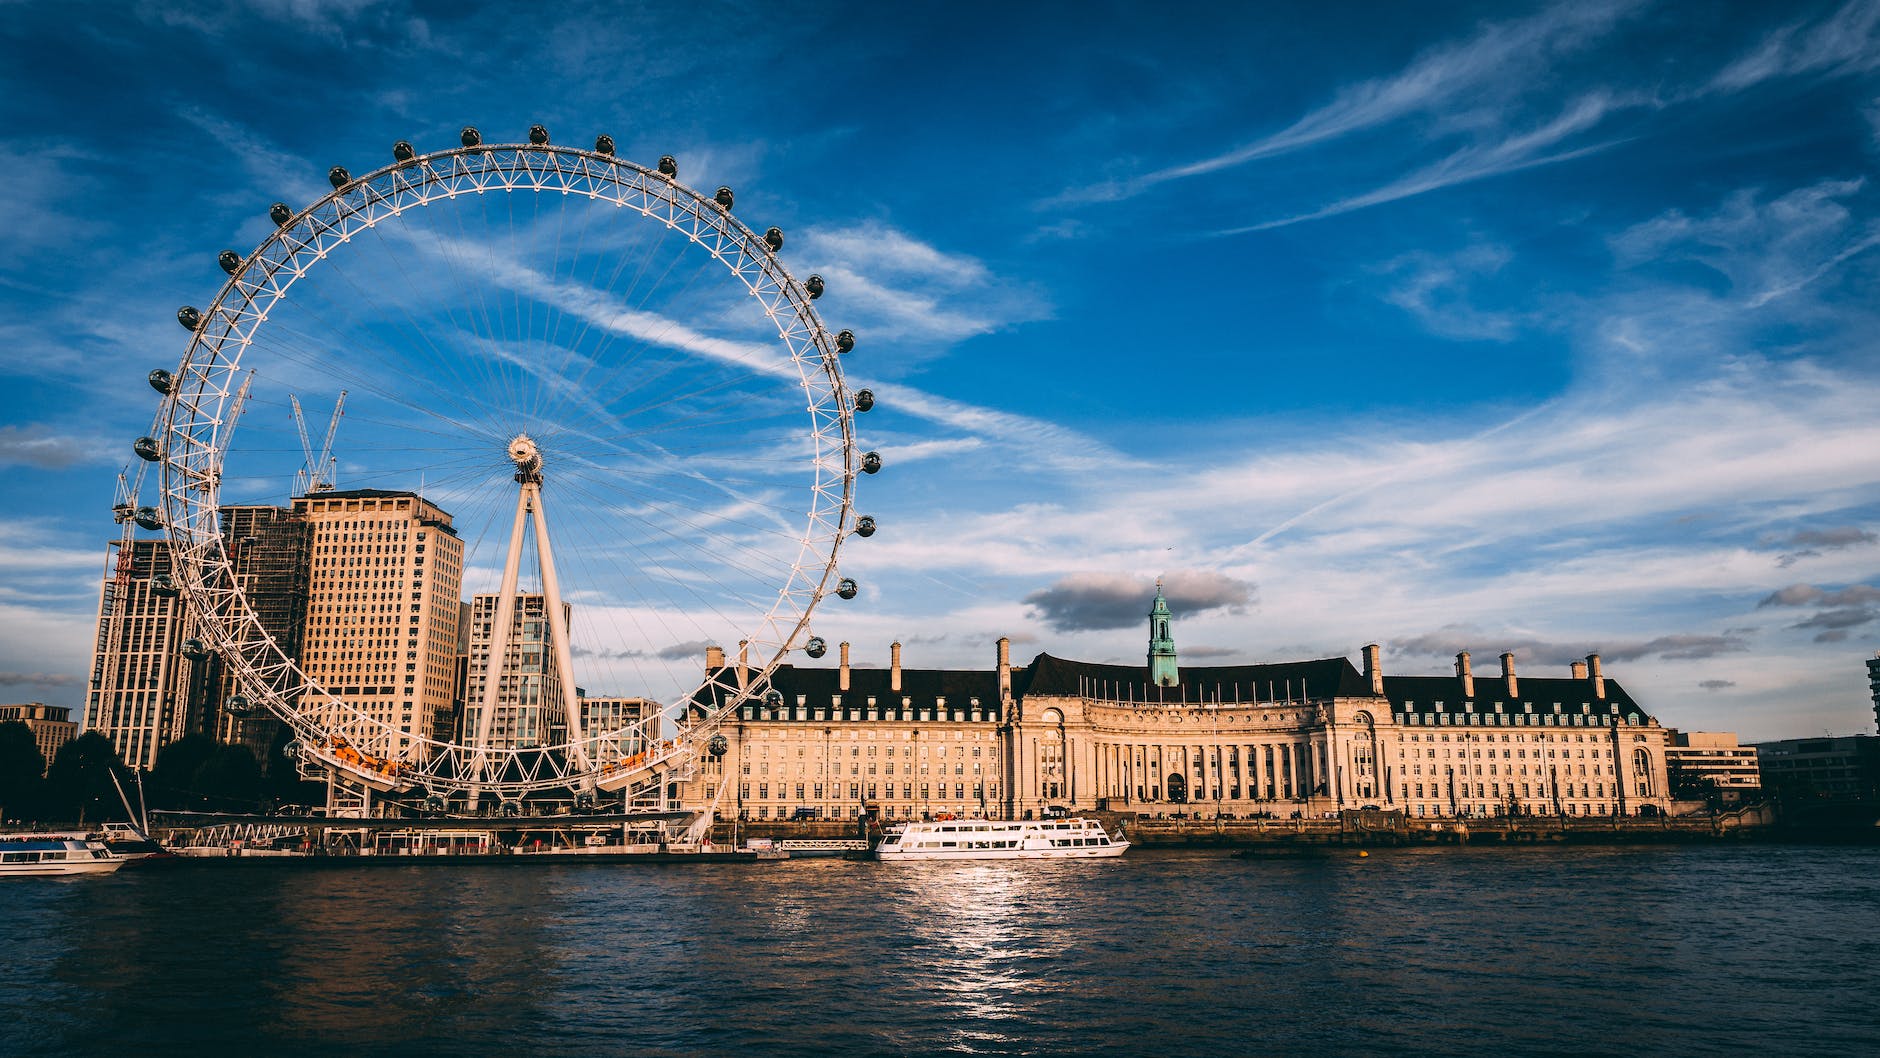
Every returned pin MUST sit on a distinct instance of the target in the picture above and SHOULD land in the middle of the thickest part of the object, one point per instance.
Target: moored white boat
(51, 853)
(999, 839)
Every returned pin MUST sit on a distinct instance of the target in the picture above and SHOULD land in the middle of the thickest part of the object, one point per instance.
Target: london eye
(603, 400)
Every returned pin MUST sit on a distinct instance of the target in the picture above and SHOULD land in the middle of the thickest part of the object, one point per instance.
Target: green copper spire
(1163, 670)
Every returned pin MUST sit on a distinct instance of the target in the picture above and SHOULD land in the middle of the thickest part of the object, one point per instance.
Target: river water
(1757, 949)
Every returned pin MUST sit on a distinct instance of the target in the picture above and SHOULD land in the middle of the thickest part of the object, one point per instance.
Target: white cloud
(890, 287)
(1495, 62)
(1526, 150)
(1845, 42)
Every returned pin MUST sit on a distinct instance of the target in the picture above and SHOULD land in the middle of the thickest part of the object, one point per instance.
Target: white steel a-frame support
(529, 511)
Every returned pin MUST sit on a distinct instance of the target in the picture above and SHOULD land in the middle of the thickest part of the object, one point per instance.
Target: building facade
(1311, 738)
(1873, 687)
(383, 603)
(1289, 740)
(1702, 764)
(268, 554)
(1842, 768)
(833, 743)
(144, 692)
(529, 709)
(617, 725)
(52, 725)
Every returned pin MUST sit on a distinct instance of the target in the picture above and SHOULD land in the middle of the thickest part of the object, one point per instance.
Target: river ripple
(1689, 949)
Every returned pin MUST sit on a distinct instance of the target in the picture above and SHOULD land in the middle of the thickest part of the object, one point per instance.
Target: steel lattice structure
(196, 422)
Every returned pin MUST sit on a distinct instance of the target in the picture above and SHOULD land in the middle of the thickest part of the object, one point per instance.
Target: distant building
(529, 711)
(51, 725)
(1873, 685)
(619, 718)
(1699, 762)
(1302, 738)
(267, 549)
(383, 601)
(1843, 768)
(144, 692)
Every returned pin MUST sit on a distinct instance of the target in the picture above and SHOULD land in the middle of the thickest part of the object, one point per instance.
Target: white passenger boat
(54, 853)
(998, 839)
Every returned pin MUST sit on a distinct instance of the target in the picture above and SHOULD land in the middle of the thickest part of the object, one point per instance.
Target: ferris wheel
(533, 342)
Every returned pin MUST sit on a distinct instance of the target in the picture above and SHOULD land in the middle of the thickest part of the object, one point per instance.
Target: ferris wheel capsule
(773, 238)
(871, 463)
(165, 585)
(150, 518)
(403, 151)
(718, 745)
(470, 136)
(815, 647)
(668, 167)
(189, 317)
(193, 648)
(865, 526)
(147, 449)
(864, 399)
(723, 198)
(161, 381)
(538, 135)
(773, 698)
(230, 261)
(338, 176)
(845, 341)
(604, 144)
(280, 214)
(846, 588)
(239, 705)
(814, 284)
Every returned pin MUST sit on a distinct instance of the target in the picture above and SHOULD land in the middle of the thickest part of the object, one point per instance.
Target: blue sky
(1543, 328)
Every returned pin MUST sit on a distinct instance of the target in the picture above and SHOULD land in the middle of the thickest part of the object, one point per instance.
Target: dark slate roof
(923, 687)
(1283, 681)
(1541, 692)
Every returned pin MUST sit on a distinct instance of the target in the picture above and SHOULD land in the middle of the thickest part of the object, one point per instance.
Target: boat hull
(1109, 852)
(999, 839)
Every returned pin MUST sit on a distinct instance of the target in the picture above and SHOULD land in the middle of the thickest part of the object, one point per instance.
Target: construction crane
(321, 470)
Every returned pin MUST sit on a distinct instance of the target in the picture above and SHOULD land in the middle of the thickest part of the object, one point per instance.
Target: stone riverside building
(1300, 738)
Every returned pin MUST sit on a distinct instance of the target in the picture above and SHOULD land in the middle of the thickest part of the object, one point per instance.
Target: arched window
(1642, 771)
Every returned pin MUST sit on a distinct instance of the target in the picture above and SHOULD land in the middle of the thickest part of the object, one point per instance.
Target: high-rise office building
(529, 709)
(267, 550)
(608, 715)
(144, 691)
(384, 584)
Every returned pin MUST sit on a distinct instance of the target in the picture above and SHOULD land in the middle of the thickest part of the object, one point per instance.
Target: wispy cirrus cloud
(1846, 41)
(1525, 150)
(1497, 58)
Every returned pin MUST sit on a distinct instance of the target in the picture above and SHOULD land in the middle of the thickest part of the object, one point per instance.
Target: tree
(173, 780)
(22, 771)
(197, 772)
(79, 786)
